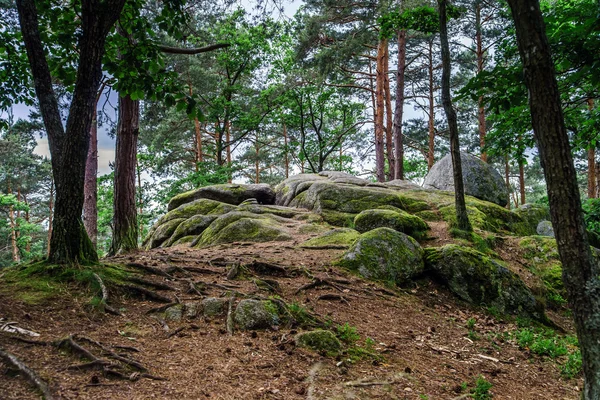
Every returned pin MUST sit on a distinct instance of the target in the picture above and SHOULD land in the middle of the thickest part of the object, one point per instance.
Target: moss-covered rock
(319, 340)
(162, 233)
(341, 238)
(253, 314)
(532, 215)
(243, 227)
(427, 215)
(226, 193)
(192, 226)
(314, 228)
(399, 220)
(213, 306)
(488, 216)
(385, 254)
(480, 280)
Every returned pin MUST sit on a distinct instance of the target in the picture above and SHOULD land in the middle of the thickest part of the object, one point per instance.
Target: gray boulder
(253, 314)
(385, 254)
(481, 180)
(545, 228)
(227, 193)
(213, 306)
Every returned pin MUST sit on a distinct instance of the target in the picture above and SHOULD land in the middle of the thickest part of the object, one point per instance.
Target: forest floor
(425, 343)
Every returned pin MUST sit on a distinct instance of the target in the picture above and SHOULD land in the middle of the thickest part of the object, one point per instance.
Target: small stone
(319, 340)
(213, 306)
(174, 313)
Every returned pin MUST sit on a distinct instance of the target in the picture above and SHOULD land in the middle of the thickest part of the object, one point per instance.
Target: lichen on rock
(481, 280)
(385, 254)
(397, 219)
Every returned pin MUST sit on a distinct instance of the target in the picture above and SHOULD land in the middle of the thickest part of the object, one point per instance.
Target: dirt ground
(420, 337)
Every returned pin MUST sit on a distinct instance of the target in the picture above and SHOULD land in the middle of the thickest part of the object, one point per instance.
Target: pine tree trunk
(507, 178)
(522, 181)
(379, 111)
(125, 231)
(50, 215)
(69, 243)
(286, 158)
(140, 196)
(228, 140)
(90, 202)
(389, 147)
(398, 115)
(431, 121)
(13, 229)
(480, 103)
(591, 162)
(462, 218)
(580, 271)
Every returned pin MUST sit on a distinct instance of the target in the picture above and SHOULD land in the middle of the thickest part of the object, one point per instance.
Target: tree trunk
(480, 104)
(399, 112)
(50, 214)
(389, 147)
(13, 229)
(90, 201)
(69, 146)
(580, 272)
(379, 111)
(228, 140)
(507, 178)
(591, 162)
(140, 196)
(522, 181)
(287, 158)
(431, 122)
(462, 218)
(125, 231)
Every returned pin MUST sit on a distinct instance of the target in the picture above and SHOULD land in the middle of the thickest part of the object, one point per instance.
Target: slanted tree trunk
(522, 181)
(90, 201)
(580, 271)
(480, 103)
(431, 120)
(398, 115)
(462, 218)
(125, 230)
(379, 111)
(69, 146)
(389, 147)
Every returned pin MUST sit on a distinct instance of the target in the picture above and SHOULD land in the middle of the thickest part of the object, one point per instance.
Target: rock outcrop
(481, 180)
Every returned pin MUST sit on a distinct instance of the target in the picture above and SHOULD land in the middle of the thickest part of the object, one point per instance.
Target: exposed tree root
(320, 282)
(230, 323)
(331, 296)
(264, 268)
(143, 292)
(161, 308)
(113, 355)
(175, 332)
(156, 285)
(150, 270)
(31, 376)
(107, 308)
(233, 272)
(194, 289)
(198, 270)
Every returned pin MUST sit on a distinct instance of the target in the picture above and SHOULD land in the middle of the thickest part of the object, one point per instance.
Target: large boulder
(481, 180)
(226, 193)
(385, 254)
(532, 215)
(480, 280)
(397, 219)
(341, 238)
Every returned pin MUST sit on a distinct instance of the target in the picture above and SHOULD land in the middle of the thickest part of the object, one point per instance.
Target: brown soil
(420, 332)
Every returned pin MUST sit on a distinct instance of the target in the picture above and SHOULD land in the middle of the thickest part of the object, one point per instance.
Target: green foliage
(347, 334)
(573, 367)
(481, 391)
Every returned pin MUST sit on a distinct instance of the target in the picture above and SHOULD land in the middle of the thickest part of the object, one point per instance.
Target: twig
(229, 323)
(38, 382)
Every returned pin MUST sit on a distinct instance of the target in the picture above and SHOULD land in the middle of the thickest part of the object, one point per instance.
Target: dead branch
(31, 376)
(229, 323)
(112, 354)
(175, 332)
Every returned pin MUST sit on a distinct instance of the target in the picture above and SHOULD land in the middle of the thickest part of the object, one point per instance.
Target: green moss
(162, 233)
(192, 226)
(429, 215)
(319, 340)
(256, 314)
(487, 216)
(197, 207)
(243, 227)
(384, 254)
(400, 221)
(314, 228)
(337, 218)
(342, 238)
(539, 248)
(532, 215)
(480, 280)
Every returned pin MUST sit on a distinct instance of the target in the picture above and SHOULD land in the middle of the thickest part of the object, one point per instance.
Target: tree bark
(13, 229)
(379, 111)
(228, 151)
(580, 272)
(50, 214)
(90, 201)
(389, 147)
(522, 181)
(125, 231)
(480, 103)
(462, 218)
(431, 121)
(399, 112)
(286, 158)
(591, 162)
(507, 178)
(69, 146)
